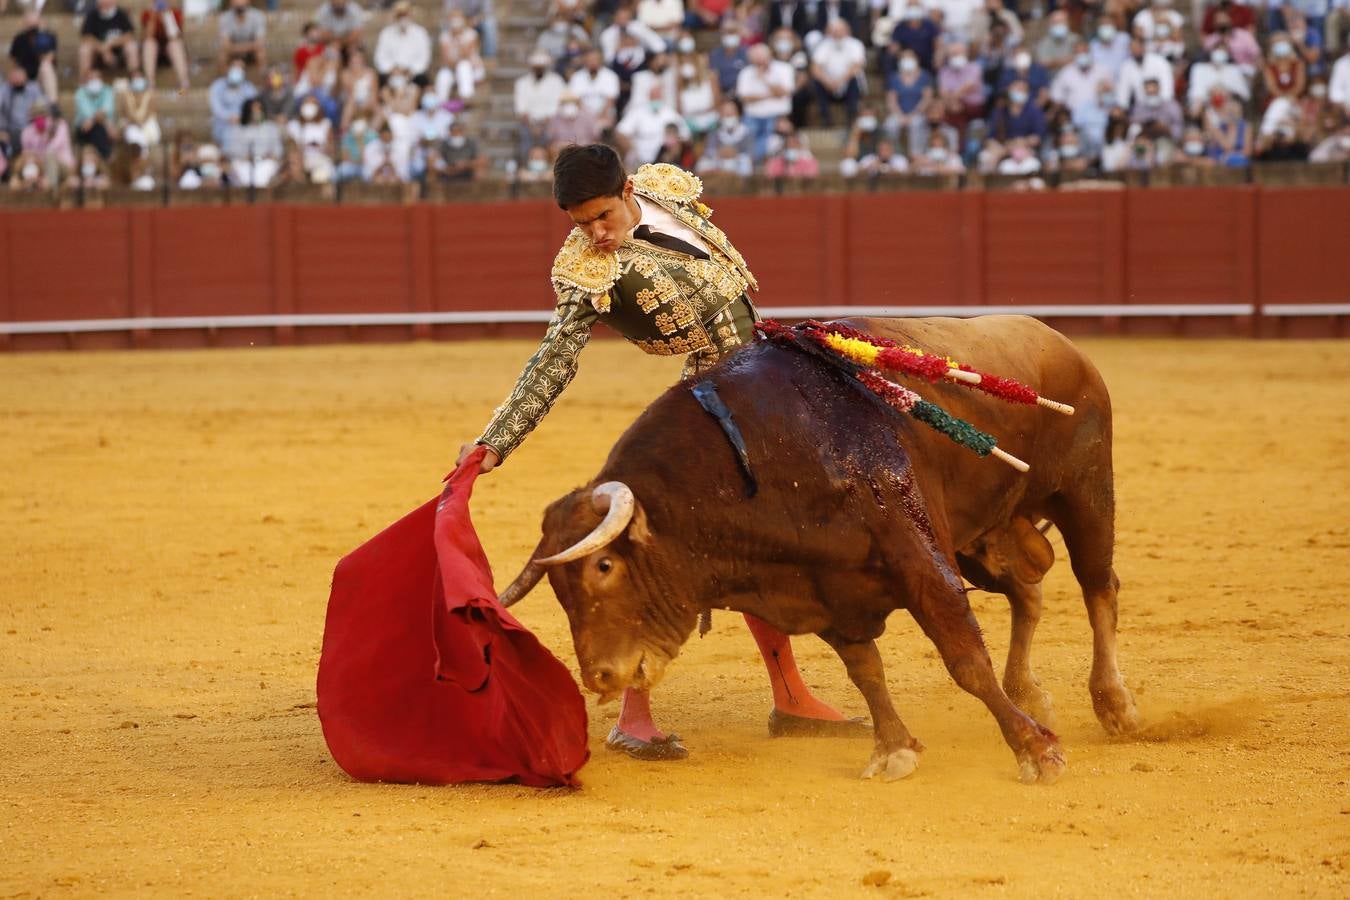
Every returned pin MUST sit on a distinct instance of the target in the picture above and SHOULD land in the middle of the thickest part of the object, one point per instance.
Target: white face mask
(398, 82)
(537, 165)
(908, 64)
(1069, 151)
(309, 110)
(1084, 60)
(1107, 33)
(568, 110)
(1022, 61)
(1219, 56)
(458, 140)
(1318, 90)
(1018, 97)
(94, 85)
(867, 123)
(730, 123)
(688, 70)
(210, 170)
(937, 154)
(1059, 29)
(783, 48)
(958, 61)
(1282, 49)
(359, 127)
(686, 45)
(30, 172)
(731, 41)
(1194, 148)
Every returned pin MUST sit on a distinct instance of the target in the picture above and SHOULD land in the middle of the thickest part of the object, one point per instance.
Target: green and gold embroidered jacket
(663, 301)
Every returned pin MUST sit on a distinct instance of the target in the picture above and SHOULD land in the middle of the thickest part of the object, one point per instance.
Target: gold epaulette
(667, 183)
(580, 265)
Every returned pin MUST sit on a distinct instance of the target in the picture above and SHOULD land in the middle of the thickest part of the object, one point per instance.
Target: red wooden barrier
(1138, 260)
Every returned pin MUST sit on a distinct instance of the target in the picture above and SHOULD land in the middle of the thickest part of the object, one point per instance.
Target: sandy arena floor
(170, 523)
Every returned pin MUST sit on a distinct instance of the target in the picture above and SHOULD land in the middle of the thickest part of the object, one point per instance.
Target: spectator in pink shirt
(47, 140)
(1242, 47)
(794, 160)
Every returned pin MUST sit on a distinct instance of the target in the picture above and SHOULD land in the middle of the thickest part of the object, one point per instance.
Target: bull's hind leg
(1089, 536)
(896, 752)
(1012, 562)
(946, 618)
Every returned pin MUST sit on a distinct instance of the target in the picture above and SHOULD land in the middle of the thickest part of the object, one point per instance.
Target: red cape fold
(425, 678)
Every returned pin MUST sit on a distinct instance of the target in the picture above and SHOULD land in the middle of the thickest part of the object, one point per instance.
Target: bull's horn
(615, 499)
(524, 583)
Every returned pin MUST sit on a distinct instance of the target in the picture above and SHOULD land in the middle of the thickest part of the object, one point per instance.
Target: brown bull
(858, 513)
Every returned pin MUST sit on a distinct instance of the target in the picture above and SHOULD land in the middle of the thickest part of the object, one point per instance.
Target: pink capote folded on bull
(858, 513)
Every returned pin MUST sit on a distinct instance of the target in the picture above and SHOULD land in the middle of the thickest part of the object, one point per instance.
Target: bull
(858, 513)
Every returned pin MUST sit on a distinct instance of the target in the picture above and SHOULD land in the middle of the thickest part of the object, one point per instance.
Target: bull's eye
(604, 565)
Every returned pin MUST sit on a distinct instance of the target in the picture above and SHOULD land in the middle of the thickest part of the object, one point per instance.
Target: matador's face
(607, 221)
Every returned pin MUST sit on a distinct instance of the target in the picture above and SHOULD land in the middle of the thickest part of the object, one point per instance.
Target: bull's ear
(639, 532)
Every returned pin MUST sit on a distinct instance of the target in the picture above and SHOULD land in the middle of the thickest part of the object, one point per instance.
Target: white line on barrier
(489, 317)
(1306, 309)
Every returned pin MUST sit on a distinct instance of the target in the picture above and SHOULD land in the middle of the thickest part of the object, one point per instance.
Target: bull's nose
(606, 679)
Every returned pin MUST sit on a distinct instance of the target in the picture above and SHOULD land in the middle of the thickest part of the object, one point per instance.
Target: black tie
(644, 232)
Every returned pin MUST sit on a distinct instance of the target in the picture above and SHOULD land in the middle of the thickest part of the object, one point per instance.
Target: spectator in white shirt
(596, 87)
(664, 17)
(625, 24)
(764, 88)
(382, 162)
(1146, 21)
(1338, 90)
(837, 69)
(1220, 70)
(643, 127)
(403, 44)
(461, 65)
(1076, 83)
(1138, 68)
(537, 94)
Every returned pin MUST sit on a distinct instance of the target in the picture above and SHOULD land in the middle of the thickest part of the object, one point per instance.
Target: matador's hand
(490, 457)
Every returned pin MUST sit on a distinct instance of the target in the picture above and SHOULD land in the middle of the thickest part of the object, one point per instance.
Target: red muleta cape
(425, 678)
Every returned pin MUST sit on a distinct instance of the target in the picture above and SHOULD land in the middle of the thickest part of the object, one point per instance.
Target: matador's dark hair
(584, 172)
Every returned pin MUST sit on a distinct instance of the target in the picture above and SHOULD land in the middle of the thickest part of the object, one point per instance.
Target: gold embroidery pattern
(646, 300)
(665, 323)
(579, 265)
(664, 182)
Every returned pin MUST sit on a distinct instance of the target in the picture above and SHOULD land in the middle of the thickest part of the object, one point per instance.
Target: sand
(170, 522)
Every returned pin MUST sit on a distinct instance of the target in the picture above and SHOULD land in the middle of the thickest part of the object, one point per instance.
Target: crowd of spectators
(941, 86)
(335, 111)
(736, 86)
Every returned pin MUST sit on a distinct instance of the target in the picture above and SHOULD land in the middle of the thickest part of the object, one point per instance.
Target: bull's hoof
(1115, 709)
(785, 724)
(658, 750)
(1044, 766)
(892, 766)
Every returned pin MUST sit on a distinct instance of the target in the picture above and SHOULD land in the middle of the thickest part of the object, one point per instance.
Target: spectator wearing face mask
(918, 34)
(1219, 70)
(884, 160)
(643, 127)
(162, 39)
(253, 149)
(1067, 156)
(1157, 115)
(573, 124)
(95, 114)
(311, 137)
(1285, 74)
(403, 45)
(243, 35)
(1227, 141)
(462, 66)
(559, 39)
(764, 89)
(698, 97)
(460, 155)
(432, 116)
(340, 23)
(995, 23)
(17, 96)
(1020, 159)
(931, 119)
(1027, 70)
(1158, 12)
(108, 40)
(1141, 67)
(46, 141)
(360, 86)
(537, 95)
(625, 25)
(1238, 15)
(1334, 148)
(1110, 48)
(1076, 84)
(596, 88)
(1019, 117)
(226, 97)
(140, 118)
(92, 172)
(34, 50)
(837, 64)
(1057, 48)
(908, 91)
(352, 149)
(383, 162)
(727, 148)
(537, 168)
(787, 48)
(793, 160)
(1091, 118)
(867, 131)
(1241, 45)
(1193, 149)
(938, 158)
(729, 57)
(676, 149)
(960, 86)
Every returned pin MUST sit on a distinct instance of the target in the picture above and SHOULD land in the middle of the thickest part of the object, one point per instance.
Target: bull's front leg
(945, 616)
(896, 753)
